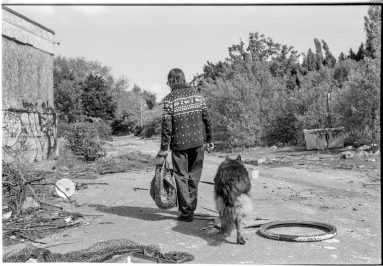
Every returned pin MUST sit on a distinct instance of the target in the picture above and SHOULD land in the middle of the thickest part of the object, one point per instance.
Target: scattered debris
(261, 161)
(37, 225)
(22, 187)
(139, 188)
(65, 188)
(124, 163)
(333, 240)
(347, 154)
(30, 202)
(68, 219)
(7, 215)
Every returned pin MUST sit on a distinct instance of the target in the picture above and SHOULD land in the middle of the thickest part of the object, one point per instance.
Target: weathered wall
(29, 120)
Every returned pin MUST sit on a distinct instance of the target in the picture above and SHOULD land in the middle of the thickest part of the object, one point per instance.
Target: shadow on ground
(153, 214)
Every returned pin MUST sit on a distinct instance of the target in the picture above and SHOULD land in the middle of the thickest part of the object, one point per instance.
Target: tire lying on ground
(330, 231)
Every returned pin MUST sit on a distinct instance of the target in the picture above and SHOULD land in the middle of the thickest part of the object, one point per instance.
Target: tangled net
(99, 252)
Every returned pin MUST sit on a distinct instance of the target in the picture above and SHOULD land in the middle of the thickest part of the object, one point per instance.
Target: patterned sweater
(184, 116)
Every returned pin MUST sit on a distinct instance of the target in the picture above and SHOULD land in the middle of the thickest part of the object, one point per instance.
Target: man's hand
(210, 147)
(159, 160)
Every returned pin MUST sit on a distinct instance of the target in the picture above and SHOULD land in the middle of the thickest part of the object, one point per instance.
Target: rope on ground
(99, 252)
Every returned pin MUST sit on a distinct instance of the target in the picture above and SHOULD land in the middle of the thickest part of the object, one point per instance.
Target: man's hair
(176, 76)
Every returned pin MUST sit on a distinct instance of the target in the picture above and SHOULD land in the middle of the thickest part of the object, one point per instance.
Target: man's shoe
(185, 218)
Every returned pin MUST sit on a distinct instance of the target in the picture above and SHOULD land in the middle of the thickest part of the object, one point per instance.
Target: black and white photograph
(196, 132)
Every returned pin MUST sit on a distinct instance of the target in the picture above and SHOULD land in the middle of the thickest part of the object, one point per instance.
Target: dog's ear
(239, 157)
(227, 158)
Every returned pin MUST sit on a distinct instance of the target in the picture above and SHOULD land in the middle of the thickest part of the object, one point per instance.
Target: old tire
(330, 231)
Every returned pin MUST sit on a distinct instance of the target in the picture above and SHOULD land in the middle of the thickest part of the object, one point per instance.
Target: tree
(359, 101)
(96, 101)
(318, 54)
(68, 101)
(137, 89)
(121, 86)
(342, 57)
(360, 55)
(213, 71)
(78, 69)
(342, 71)
(150, 99)
(68, 74)
(372, 26)
(309, 61)
(352, 55)
(329, 59)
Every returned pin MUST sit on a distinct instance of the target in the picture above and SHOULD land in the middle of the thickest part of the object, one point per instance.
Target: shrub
(137, 130)
(122, 126)
(85, 142)
(104, 130)
(63, 129)
(282, 129)
(153, 126)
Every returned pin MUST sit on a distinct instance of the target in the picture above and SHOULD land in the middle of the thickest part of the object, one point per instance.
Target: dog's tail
(229, 214)
(228, 217)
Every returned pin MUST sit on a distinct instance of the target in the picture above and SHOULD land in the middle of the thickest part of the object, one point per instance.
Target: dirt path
(343, 198)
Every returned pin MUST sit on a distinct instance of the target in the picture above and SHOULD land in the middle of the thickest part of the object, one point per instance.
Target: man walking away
(184, 118)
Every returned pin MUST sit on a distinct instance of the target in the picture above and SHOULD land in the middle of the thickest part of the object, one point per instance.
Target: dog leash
(206, 182)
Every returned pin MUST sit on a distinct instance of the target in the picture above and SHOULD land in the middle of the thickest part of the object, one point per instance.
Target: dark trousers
(187, 169)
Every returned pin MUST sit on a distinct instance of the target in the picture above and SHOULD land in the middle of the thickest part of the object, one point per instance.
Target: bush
(122, 126)
(137, 130)
(104, 130)
(282, 129)
(84, 142)
(153, 126)
(63, 129)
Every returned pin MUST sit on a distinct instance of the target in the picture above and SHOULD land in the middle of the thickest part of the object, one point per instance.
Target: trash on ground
(65, 188)
(333, 240)
(39, 225)
(68, 219)
(30, 202)
(7, 215)
(102, 251)
(139, 188)
(347, 154)
(261, 161)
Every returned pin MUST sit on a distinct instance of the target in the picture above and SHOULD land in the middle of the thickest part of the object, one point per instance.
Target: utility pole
(329, 124)
(141, 110)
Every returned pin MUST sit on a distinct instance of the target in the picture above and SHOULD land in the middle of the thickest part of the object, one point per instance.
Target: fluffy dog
(233, 203)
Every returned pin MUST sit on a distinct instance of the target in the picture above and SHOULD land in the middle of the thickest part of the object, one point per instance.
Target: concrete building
(28, 115)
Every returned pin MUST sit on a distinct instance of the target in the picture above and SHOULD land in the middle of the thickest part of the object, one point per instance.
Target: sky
(143, 43)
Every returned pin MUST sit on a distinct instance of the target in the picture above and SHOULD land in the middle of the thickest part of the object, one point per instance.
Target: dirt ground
(309, 187)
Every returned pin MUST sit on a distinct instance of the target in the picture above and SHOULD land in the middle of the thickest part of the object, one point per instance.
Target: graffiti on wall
(29, 133)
